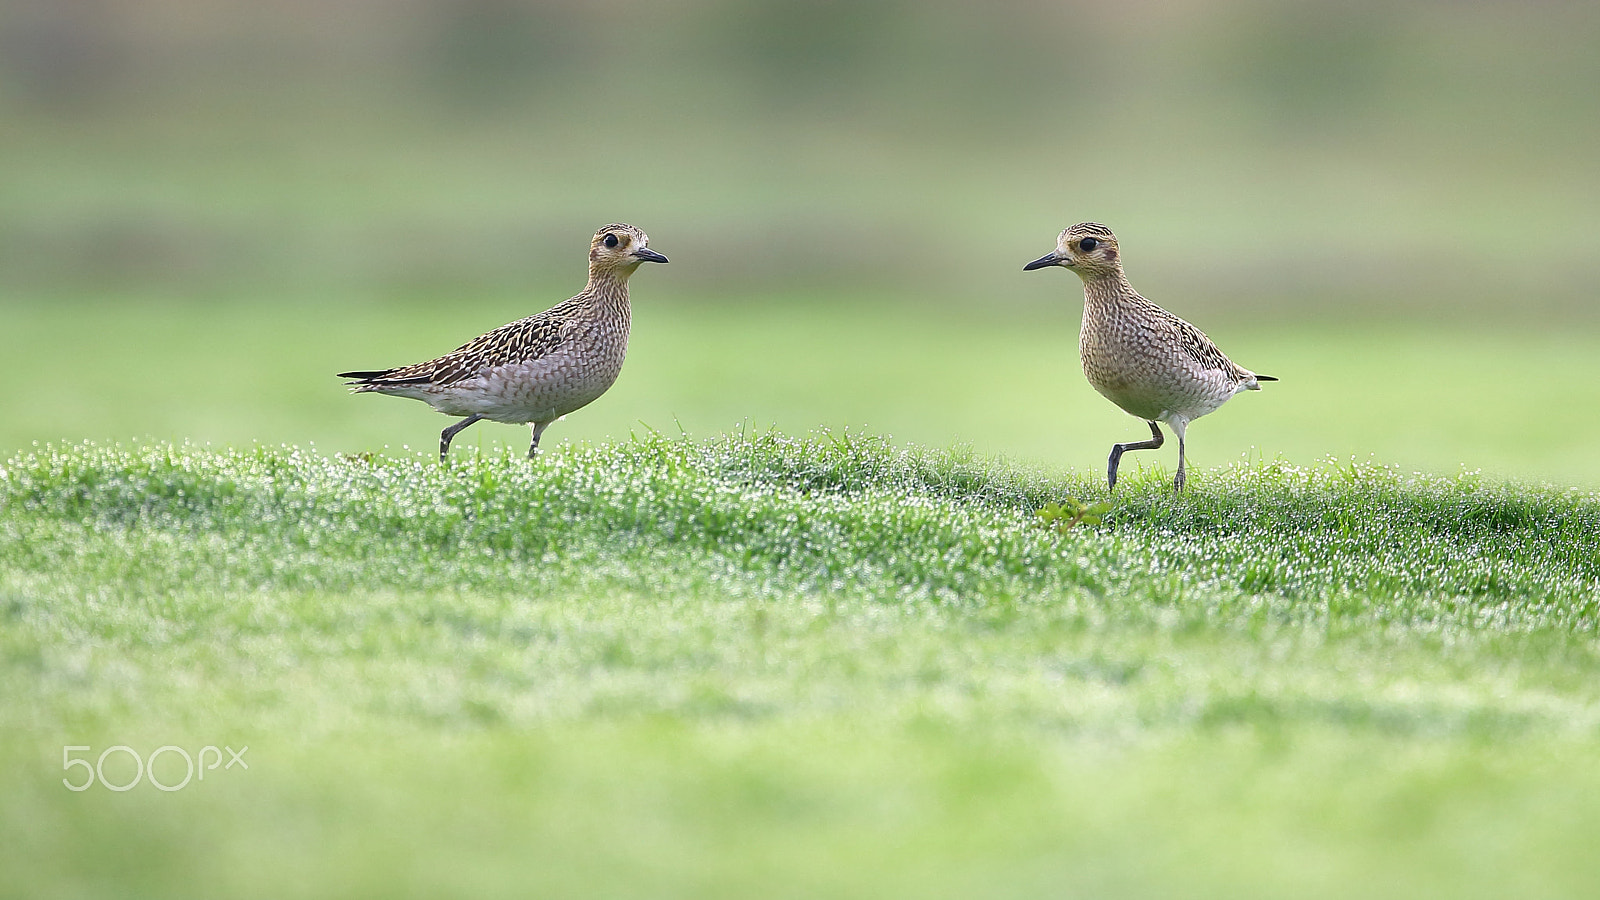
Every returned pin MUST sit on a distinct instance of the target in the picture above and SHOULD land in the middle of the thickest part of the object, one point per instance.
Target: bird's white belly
(1178, 395)
(542, 390)
(1151, 382)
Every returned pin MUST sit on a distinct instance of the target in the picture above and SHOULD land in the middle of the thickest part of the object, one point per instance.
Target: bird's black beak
(1049, 259)
(648, 255)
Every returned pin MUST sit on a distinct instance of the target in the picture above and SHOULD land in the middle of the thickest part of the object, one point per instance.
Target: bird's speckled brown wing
(524, 340)
(1193, 343)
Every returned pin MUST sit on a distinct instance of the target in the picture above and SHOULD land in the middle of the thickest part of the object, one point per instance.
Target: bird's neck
(1108, 289)
(608, 287)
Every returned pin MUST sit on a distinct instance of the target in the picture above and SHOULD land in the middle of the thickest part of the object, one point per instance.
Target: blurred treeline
(1295, 156)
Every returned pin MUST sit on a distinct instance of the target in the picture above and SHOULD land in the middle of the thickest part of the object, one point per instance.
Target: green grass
(824, 667)
(1002, 376)
(699, 666)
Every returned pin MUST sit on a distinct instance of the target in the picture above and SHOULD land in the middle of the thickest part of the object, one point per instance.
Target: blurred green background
(207, 208)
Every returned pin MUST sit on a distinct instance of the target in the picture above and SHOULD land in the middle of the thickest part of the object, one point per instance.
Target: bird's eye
(1087, 245)
(611, 240)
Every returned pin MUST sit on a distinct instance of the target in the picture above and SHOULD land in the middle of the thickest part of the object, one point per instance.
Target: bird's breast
(1129, 363)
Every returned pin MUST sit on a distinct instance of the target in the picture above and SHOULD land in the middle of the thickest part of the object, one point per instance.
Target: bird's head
(1088, 248)
(619, 249)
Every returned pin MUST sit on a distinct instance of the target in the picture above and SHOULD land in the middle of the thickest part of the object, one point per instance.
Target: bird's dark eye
(611, 240)
(1087, 245)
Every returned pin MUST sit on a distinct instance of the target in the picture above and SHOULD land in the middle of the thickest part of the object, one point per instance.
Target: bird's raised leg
(538, 429)
(1117, 450)
(449, 434)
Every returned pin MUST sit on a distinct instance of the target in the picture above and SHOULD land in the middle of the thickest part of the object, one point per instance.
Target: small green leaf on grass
(1063, 516)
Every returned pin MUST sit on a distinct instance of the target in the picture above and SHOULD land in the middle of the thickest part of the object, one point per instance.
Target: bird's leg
(1117, 450)
(1180, 426)
(538, 429)
(449, 434)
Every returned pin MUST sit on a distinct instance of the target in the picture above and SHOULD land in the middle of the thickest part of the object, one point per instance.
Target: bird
(1144, 359)
(538, 369)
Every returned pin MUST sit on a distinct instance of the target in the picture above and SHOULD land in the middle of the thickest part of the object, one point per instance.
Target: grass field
(993, 373)
(767, 665)
(776, 617)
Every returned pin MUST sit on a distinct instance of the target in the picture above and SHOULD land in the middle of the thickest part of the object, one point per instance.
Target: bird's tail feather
(381, 375)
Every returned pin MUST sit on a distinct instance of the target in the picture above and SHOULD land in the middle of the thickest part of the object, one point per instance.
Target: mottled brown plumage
(538, 369)
(1146, 360)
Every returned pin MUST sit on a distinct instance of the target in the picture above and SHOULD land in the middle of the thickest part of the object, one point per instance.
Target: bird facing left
(535, 370)
(1137, 355)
